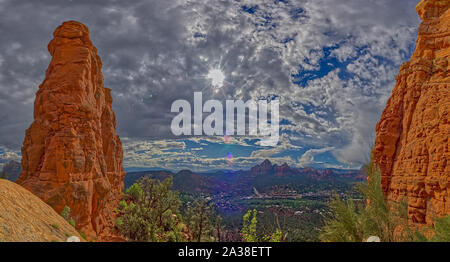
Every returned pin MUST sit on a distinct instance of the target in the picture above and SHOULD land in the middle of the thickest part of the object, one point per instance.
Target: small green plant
(441, 230)
(72, 222)
(66, 215)
(149, 212)
(274, 237)
(55, 226)
(82, 235)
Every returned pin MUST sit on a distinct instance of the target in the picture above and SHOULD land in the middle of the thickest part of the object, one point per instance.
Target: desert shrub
(356, 221)
(150, 212)
(66, 215)
(203, 222)
(438, 232)
(249, 222)
(441, 230)
(249, 230)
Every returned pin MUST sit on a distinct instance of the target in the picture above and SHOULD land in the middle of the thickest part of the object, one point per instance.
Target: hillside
(264, 177)
(26, 218)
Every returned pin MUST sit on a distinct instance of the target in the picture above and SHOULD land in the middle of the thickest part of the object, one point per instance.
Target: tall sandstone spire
(72, 155)
(412, 142)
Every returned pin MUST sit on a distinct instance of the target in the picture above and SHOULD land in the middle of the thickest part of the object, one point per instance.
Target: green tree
(3, 175)
(353, 221)
(249, 229)
(150, 212)
(249, 223)
(203, 222)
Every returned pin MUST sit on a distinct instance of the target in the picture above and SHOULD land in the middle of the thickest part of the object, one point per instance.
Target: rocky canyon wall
(412, 142)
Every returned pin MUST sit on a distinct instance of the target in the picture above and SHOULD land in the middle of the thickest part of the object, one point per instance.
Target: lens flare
(229, 159)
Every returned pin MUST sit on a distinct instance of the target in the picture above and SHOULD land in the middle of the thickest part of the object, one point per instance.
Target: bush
(352, 221)
(249, 222)
(66, 215)
(149, 212)
(249, 229)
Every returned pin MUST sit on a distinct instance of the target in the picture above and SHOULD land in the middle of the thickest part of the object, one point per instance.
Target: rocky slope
(412, 142)
(24, 217)
(71, 155)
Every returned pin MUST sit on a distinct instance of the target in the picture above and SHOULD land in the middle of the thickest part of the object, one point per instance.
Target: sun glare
(217, 77)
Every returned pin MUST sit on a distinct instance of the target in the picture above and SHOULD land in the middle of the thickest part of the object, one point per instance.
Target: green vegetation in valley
(203, 222)
(250, 233)
(150, 212)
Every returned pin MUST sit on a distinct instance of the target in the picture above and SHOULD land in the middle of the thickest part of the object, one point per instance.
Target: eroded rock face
(412, 143)
(71, 155)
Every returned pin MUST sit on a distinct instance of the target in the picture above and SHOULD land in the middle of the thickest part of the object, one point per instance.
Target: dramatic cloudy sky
(331, 63)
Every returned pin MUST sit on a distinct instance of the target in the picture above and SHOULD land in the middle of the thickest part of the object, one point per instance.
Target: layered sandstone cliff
(71, 155)
(412, 142)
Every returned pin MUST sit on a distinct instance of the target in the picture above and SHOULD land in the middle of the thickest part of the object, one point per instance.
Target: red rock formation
(71, 155)
(412, 143)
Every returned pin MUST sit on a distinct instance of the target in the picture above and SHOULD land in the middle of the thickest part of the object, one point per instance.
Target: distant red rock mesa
(72, 155)
(412, 142)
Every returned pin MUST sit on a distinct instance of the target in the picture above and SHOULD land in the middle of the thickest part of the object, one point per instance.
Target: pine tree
(249, 230)
(249, 222)
(202, 221)
(150, 212)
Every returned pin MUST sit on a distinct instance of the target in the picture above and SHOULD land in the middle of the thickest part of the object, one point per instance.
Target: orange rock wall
(412, 142)
(71, 155)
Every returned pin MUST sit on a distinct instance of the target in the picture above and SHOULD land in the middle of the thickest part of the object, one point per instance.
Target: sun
(217, 77)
